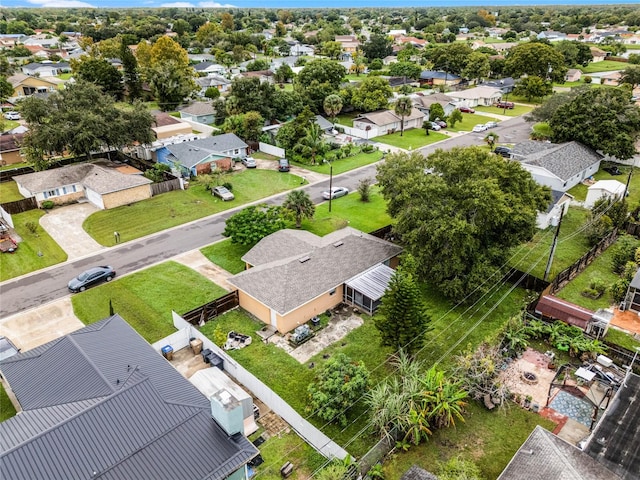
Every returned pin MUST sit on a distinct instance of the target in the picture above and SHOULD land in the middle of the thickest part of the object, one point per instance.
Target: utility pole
(553, 245)
(330, 185)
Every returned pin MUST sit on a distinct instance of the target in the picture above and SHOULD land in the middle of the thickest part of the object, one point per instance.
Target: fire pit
(529, 378)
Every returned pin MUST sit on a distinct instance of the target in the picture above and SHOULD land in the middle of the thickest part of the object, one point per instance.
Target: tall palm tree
(299, 203)
(312, 143)
(402, 109)
(332, 106)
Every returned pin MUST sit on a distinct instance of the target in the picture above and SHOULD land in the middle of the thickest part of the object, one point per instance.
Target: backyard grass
(470, 120)
(9, 192)
(7, 410)
(516, 111)
(26, 258)
(604, 66)
(534, 254)
(8, 124)
(580, 190)
(488, 438)
(345, 164)
(175, 208)
(65, 76)
(11, 166)
(621, 338)
(145, 299)
(227, 255)
(412, 139)
(346, 119)
(288, 447)
(263, 156)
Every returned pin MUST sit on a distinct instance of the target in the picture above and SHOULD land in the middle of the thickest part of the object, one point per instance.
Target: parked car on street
(335, 192)
(283, 165)
(466, 110)
(223, 193)
(12, 116)
(491, 124)
(435, 126)
(507, 105)
(91, 277)
(504, 151)
(481, 127)
(249, 162)
(7, 348)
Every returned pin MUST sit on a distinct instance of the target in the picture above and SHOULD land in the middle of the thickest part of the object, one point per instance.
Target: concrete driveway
(64, 224)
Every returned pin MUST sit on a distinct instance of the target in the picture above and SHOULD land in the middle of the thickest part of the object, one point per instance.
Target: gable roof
(280, 280)
(544, 456)
(36, 65)
(385, 117)
(140, 417)
(10, 142)
(477, 92)
(433, 75)
(568, 312)
(18, 78)
(564, 160)
(102, 179)
(199, 108)
(323, 123)
(428, 100)
(191, 153)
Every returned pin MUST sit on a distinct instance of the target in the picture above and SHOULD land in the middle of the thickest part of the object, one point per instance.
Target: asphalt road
(47, 285)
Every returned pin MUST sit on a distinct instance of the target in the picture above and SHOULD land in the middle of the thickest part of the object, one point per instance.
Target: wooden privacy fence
(201, 315)
(20, 206)
(166, 186)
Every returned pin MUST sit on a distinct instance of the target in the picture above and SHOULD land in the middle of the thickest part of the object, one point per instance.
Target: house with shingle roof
(208, 67)
(424, 102)
(201, 112)
(103, 183)
(10, 148)
(558, 166)
(201, 156)
(294, 275)
(25, 85)
(475, 96)
(212, 80)
(383, 122)
(45, 69)
(573, 75)
(432, 77)
(101, 403)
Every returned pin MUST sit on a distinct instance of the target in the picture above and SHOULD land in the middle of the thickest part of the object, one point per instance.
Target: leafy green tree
(402, 318)
(333, 106)
(454, 117)
(131, 76)
(286, 104)
(536, 59)
(575, 53)
(631, 76)
(299, 203)
(533, 87)
(6, 89)
(169, 73)
(474, 216)
(313, 143)
(376, 64)
(358, 65)
(372, 94)
(426, 126)
(283, 73)
(402, 108)
(252, 224)
(491, 139)
(436, 111)
(257, 65)
(103, 74)
(405, 69)
(379, 46)
(333, 50)
(212, 93)
(339, 383)
(364, 189)
(452, 58)
(477, 67)
(544, 112)
(249, 94)
(317, 80)
(604, 119)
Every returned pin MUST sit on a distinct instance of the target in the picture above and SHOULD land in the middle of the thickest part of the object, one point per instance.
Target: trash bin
(196, 346)
(315, 321)
(167, 352)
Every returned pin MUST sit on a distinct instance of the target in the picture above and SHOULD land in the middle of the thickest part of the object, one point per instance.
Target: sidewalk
(201, 264)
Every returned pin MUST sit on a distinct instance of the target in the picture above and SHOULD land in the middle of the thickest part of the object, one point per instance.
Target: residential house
(168, 126)
(612, 79)
(277, 62)
(103, 183)
(573, 75)
(350, 45)
(383, 122)
(632, 40)
(431, 78)
(397, 33)
(598, 55)
(552, 36)
(544, 456)
(604, 189)
(424, 103)
(201, 57)
(294, 275)
(558, 166)
(325, 125)
(201, 156)
(388, 60)
(45, 40)
(475, 96)
(265, 76)
(209, 68)
(632, 299)
(558, 206)
(10, 148)
(212, 80)
(10, 40)
(25, 85)
(45, 69)
(299, 50)
(505, 85)
(102, 403)
(416, 42)
(201, 112)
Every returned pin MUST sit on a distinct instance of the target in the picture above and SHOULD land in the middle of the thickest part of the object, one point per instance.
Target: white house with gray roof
(558, 166)
(294, 275)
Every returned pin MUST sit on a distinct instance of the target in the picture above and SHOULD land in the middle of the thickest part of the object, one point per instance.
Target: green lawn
(8, 124)
(175, 208)
(263, 156)
(604, 66)
(568, 250)
(7, 410)
(65, 76)
(580, 190)
(26, 258)
(470, 120)
(412, 139)
(346, 119)
(516, 111)
(621, 338)
(345, 164)
(488, 438)
(145, 299)
(9, 192)
(11, 166)
(288, 447)
(227, 255)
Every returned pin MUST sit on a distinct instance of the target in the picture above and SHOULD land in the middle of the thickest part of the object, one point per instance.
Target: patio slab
(626, 320)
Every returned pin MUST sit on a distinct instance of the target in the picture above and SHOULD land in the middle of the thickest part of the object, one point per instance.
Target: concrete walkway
(201, 264)
(64, 224)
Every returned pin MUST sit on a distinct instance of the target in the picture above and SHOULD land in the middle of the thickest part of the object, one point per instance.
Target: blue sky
(289, 3)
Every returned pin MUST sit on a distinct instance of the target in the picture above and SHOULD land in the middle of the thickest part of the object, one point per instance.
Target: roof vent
(338, 243)
(306, 258)
(196, 149)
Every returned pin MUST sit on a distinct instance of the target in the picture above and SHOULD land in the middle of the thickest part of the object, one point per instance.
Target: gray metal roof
(323, 123)
(635, 283)
(372, 283)
(564, 160)
(544, 456)
(285, 283)
(191, 153)
(151, 423)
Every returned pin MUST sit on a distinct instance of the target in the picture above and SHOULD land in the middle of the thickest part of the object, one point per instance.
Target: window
(332, 292)
(51, 193)
(236, 151)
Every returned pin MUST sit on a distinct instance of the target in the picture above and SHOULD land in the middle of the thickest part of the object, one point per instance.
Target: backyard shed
(558, 309)
(603, 189)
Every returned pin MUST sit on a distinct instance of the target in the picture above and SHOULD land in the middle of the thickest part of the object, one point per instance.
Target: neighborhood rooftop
(564, 160)
(192, 153)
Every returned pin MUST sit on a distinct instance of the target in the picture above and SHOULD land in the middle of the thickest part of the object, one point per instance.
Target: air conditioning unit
(604, 361)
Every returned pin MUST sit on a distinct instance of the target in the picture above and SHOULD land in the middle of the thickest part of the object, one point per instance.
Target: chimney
(226, 410)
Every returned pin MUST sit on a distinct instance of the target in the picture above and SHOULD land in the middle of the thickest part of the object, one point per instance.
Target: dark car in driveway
(283, 165)
(504, 151)
(612, 170)
(91, 277)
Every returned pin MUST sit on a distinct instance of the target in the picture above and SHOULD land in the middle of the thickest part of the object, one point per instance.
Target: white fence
(6, 217)
(359, 133)
(306, 430)
(272, 150)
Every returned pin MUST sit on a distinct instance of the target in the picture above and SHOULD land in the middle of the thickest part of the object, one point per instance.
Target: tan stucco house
(294, 275)
(25, 85)
(104, 184)
(383, 122)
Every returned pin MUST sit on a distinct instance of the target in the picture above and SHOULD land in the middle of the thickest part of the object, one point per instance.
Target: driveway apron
(64, 224)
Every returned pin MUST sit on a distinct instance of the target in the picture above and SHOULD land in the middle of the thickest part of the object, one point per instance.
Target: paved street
(46, 285)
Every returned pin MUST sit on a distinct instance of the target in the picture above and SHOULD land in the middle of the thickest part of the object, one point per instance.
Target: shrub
(47, 205)
(364, 189)
(228, 186)
(32, 227)
(368, 148)
(595, 289)
(623, 252)
(587, 79)
(541, 131)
